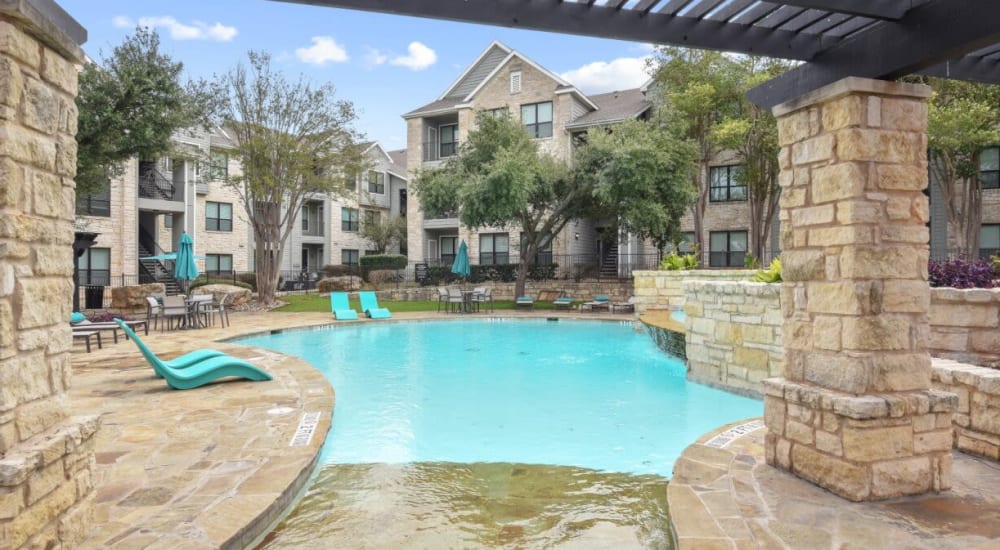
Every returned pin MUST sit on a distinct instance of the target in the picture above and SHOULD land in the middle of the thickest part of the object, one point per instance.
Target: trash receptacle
(94, 297)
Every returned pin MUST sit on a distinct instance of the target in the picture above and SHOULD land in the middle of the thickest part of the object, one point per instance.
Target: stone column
(854, 412)
(46, 456)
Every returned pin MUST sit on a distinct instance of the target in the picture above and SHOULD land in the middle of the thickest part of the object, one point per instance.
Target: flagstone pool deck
(213, 467)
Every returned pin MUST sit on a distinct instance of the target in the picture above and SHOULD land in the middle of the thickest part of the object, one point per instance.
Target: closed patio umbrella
(185, 268)
(461, 265)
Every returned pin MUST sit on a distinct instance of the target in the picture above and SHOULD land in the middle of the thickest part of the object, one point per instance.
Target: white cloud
(601, 76)
(374, 58)
(324, 50)
(418, 58)
(197, 30)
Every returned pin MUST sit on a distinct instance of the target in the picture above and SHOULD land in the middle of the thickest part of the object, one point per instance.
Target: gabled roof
(370, 146)
(474, 74)
(440, 105)
(399, 160)
(614, 107)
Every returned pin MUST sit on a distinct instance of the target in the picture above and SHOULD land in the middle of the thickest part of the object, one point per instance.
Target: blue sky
(386, 65)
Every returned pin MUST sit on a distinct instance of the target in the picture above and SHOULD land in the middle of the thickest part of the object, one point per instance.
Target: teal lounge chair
(526, 302)
(341, 307)
(369, 304)
(200, 373)
(562, 302)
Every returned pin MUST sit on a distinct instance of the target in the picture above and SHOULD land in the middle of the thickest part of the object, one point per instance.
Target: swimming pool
(588, 394)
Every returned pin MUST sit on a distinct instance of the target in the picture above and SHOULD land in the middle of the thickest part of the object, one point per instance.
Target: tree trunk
(698, 211)
(527, 253)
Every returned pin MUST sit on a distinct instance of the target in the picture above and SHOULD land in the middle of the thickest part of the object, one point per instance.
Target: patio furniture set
(459, 300)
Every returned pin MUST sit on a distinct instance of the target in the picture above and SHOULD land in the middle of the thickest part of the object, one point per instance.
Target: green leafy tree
(384, 234)
(130, 104)
(294, 140)
(698, 90)
(753, 133)
(500, 179)
(962, 120)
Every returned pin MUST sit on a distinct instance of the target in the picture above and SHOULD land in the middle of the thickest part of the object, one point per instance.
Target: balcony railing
(435, 150)
(154, 185)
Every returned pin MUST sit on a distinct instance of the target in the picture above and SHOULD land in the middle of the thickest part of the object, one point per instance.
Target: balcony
(154, 185)
(435, 151)
(447, 220)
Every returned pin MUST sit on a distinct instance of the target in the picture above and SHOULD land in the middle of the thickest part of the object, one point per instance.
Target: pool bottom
(479, 505)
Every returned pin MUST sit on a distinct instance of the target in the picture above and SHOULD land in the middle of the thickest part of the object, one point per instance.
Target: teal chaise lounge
(199, 373)
(526, 302)
(341, 307)
(369, 305)
(562, 302)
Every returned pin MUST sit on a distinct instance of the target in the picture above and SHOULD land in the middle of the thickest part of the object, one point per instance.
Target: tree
(753, 133)
(500, 179)
(699, 88)
(962, 120)
(294, 141)
(129, 106)
(385, 233)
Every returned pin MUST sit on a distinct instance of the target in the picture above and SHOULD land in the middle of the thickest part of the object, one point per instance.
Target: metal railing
(154, 185)
(436, 150)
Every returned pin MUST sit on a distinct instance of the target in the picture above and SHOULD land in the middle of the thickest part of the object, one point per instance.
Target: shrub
(675, 262)
(995, 260)
(378, 277)
(202, 281)
(769, 275)
(961, 274)
(751, 262)
(374, 262)
(331, 270)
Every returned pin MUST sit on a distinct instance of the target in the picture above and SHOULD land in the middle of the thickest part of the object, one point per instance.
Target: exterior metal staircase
(157, 271)
(609, 260)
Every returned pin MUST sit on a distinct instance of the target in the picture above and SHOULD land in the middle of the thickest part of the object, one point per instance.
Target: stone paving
(210, 467)
(728, 497)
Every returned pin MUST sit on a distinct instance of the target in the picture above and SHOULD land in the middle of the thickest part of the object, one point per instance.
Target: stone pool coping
(723, 495)
(211, 467)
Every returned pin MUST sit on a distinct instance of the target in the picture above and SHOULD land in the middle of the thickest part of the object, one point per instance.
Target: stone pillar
(854, 412)
(46, 456)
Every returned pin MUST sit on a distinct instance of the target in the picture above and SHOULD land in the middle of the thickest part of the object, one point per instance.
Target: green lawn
(316, 302)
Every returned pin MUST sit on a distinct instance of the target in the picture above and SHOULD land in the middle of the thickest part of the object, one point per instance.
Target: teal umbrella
(461, 265)
(184, 268)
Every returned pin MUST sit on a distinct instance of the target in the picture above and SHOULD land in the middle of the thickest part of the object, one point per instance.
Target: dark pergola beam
(925, 37)
(890, 10)
(600, 21)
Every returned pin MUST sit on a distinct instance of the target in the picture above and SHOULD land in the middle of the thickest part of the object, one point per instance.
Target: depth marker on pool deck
(307, 426)
(725, 438)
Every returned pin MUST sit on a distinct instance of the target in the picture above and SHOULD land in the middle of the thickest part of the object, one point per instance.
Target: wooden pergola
(879, 39)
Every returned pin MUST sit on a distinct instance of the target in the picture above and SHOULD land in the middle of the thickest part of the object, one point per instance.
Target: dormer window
(515, 82)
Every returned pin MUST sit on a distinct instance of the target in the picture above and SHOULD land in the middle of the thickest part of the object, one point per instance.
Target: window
(537, 119)
(349, 257)
(168, 221)
(449, 247)
(305, 217)
(989, 168)
(686, 243)
(95, 267)
(376, 182)
(989, 240)
(373, 217)
(515, 82)
(218, 216)
(349, 219)
(500, 112)
(218, 263)
(219, 166)
(724, 184)
(449, 140)
(727, 248)
(544, 254)
(351, 182)
(494, 248)
(98, 204)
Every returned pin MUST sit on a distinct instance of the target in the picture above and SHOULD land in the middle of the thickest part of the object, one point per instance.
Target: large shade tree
(500, 179)
(294, 140)
(130, 104)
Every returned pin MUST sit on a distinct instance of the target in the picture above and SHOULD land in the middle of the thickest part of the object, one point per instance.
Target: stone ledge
(45, 448)
(983, 379)
(863, 407)
(851, 85)
(50, 24)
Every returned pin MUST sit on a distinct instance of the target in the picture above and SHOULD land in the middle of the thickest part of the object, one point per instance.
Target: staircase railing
(161, 269)
(154, 185)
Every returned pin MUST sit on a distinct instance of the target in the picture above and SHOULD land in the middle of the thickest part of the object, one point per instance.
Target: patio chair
(174, 307)
(562, 302)
(525, 302)
(442, 298)
(369, 305)
(199, 373)
(624, 306)
(601, 301)
(483, 298)
(213, 309)
(341, 307)
(154, 311)
(456, 302)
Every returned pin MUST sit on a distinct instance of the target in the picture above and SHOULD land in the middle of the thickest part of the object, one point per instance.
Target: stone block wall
(662, 289)
(46, 457)
(965, 325)
(977, 419)
(733, 334)
(583, 290)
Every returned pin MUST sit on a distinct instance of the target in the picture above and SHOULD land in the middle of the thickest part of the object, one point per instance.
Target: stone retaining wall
(965, 325)
(583, 290)
(733, 333)
(662, 289)
(976, 421)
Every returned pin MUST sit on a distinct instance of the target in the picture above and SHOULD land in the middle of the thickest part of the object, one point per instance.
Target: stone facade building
(502, 80)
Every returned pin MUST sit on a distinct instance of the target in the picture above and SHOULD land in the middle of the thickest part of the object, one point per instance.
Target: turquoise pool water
(679, 315)
(596, 395)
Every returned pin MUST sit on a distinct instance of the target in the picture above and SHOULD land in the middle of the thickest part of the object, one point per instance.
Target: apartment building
(502, 80)
(143, 213)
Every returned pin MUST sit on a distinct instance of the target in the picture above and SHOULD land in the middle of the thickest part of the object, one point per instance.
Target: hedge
(503, 273)
(374, 262)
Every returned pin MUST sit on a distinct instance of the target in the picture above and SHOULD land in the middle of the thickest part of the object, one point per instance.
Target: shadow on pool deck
(210, 467)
